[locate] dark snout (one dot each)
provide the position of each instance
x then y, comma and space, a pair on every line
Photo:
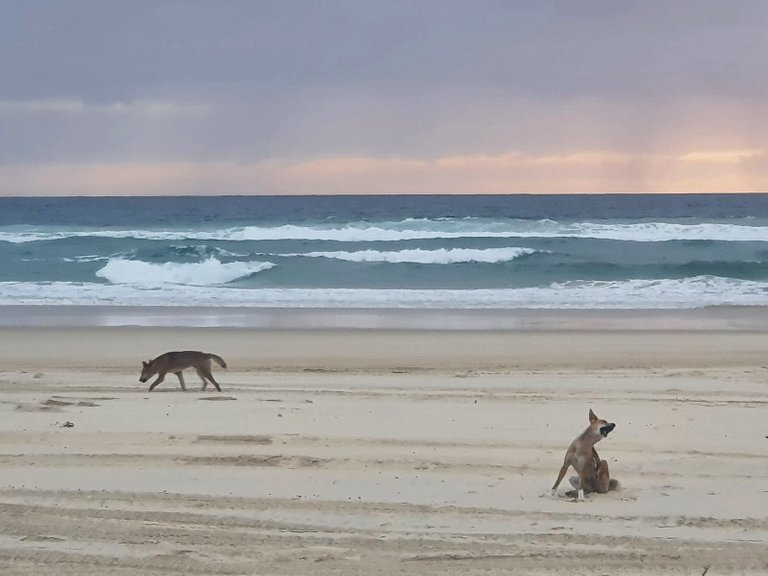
142, 379
604, 430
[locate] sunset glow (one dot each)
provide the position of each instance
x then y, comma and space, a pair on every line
487, 98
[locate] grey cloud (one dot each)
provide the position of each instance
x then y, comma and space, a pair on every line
109, 50
308, 78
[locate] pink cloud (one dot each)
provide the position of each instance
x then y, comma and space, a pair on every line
583, 172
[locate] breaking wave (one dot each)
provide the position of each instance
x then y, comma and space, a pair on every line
209, 272
423, 229
420, 256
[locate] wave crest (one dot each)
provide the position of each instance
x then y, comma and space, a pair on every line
426, 229
209, 272
420, 256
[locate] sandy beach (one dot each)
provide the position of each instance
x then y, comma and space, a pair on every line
385, 450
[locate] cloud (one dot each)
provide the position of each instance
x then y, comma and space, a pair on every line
339, 96
515, 172
722, 156
367, 124
69, 107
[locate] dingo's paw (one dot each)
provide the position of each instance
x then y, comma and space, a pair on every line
579, 496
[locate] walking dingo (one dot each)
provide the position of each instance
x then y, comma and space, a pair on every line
581, 454
175, 362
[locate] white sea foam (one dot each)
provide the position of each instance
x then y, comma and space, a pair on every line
210, 272
639, 294
419, 256
663, 231
412, 229
83, 259
203, 250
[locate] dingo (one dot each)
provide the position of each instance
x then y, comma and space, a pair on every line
175, 362
581, 454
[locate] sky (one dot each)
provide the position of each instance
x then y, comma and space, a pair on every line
162, 97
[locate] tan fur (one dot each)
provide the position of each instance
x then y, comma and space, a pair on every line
581, 454
175, 362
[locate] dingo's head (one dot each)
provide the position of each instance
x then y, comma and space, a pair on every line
599, 426
146, 371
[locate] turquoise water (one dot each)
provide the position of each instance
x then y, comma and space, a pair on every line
460, 252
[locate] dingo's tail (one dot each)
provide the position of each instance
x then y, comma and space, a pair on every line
218, 359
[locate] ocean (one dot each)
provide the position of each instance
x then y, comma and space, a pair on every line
391, 252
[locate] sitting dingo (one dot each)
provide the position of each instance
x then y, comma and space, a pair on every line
175, 362
581, 454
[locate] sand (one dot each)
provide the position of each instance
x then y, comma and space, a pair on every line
382, 451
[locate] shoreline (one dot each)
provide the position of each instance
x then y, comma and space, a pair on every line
350, 351
720, 318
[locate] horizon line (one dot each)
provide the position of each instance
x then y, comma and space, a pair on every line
385, 194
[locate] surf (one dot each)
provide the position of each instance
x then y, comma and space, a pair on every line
422, 229
209, 272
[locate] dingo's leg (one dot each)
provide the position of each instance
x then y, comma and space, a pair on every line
202, 377
580, 493
205, 373
181, 380
160, 378
603, 480
560, 477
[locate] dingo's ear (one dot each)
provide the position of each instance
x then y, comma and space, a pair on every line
145, 364
592, 416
